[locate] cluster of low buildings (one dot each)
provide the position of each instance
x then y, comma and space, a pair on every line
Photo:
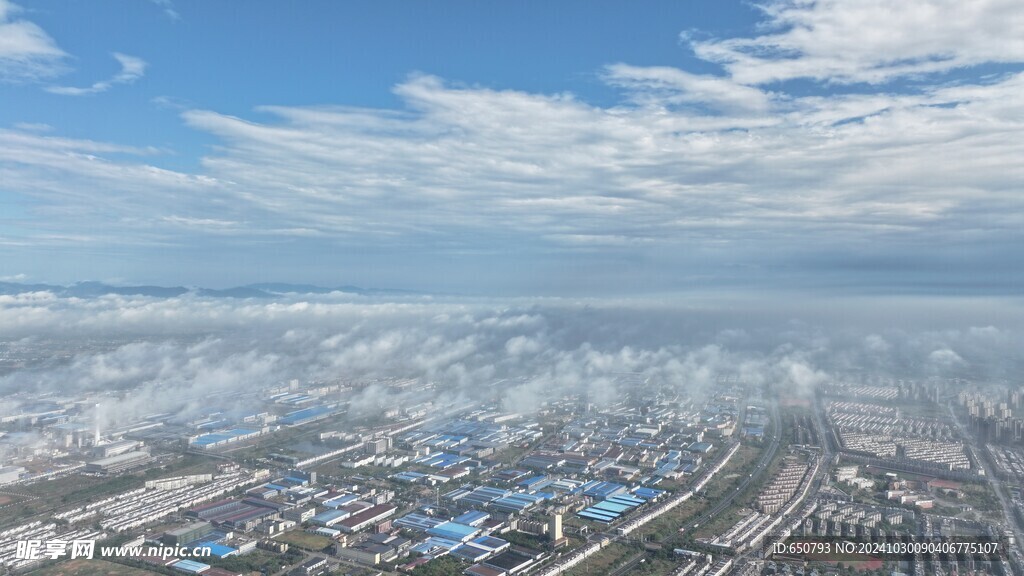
887, 389
854, 520
292, 501
849, 475
949, 455
477, 436
122, 512
51, 435
878, 431
866, 418
740, 535
139, 507
781, 488
917, 493
41, 532
628, 444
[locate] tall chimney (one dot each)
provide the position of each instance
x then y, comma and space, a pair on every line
96, 418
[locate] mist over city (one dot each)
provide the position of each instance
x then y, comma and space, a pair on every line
174, 354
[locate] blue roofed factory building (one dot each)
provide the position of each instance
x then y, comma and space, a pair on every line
307, 415
217, 440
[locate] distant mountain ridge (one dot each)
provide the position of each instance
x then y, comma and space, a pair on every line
92, 289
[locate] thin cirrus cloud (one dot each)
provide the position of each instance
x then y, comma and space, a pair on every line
132, 68
27, 52
664, 85
169, 10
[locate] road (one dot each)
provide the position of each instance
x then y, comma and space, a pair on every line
629, 565
822, 475
755, 475
825, 436
997, 486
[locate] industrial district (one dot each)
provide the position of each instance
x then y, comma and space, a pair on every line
653, 482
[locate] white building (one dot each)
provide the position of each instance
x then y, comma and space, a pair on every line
9, 474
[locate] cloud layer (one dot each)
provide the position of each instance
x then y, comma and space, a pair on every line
192, 354
897, 169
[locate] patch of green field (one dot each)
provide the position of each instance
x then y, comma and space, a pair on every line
185, 465
305, 540
652, 565
62, 492
604, 561
257, 561
981, 496
63, 485
82, 567
665, 527
720, 523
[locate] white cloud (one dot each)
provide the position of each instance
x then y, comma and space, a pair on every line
132, 68
667, 85
538, 348
870, 41
68, 175
476, 159
27, 52
945, 357
686, 169
464, 168
876, 344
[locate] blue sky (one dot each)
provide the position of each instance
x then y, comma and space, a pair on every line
516, 148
